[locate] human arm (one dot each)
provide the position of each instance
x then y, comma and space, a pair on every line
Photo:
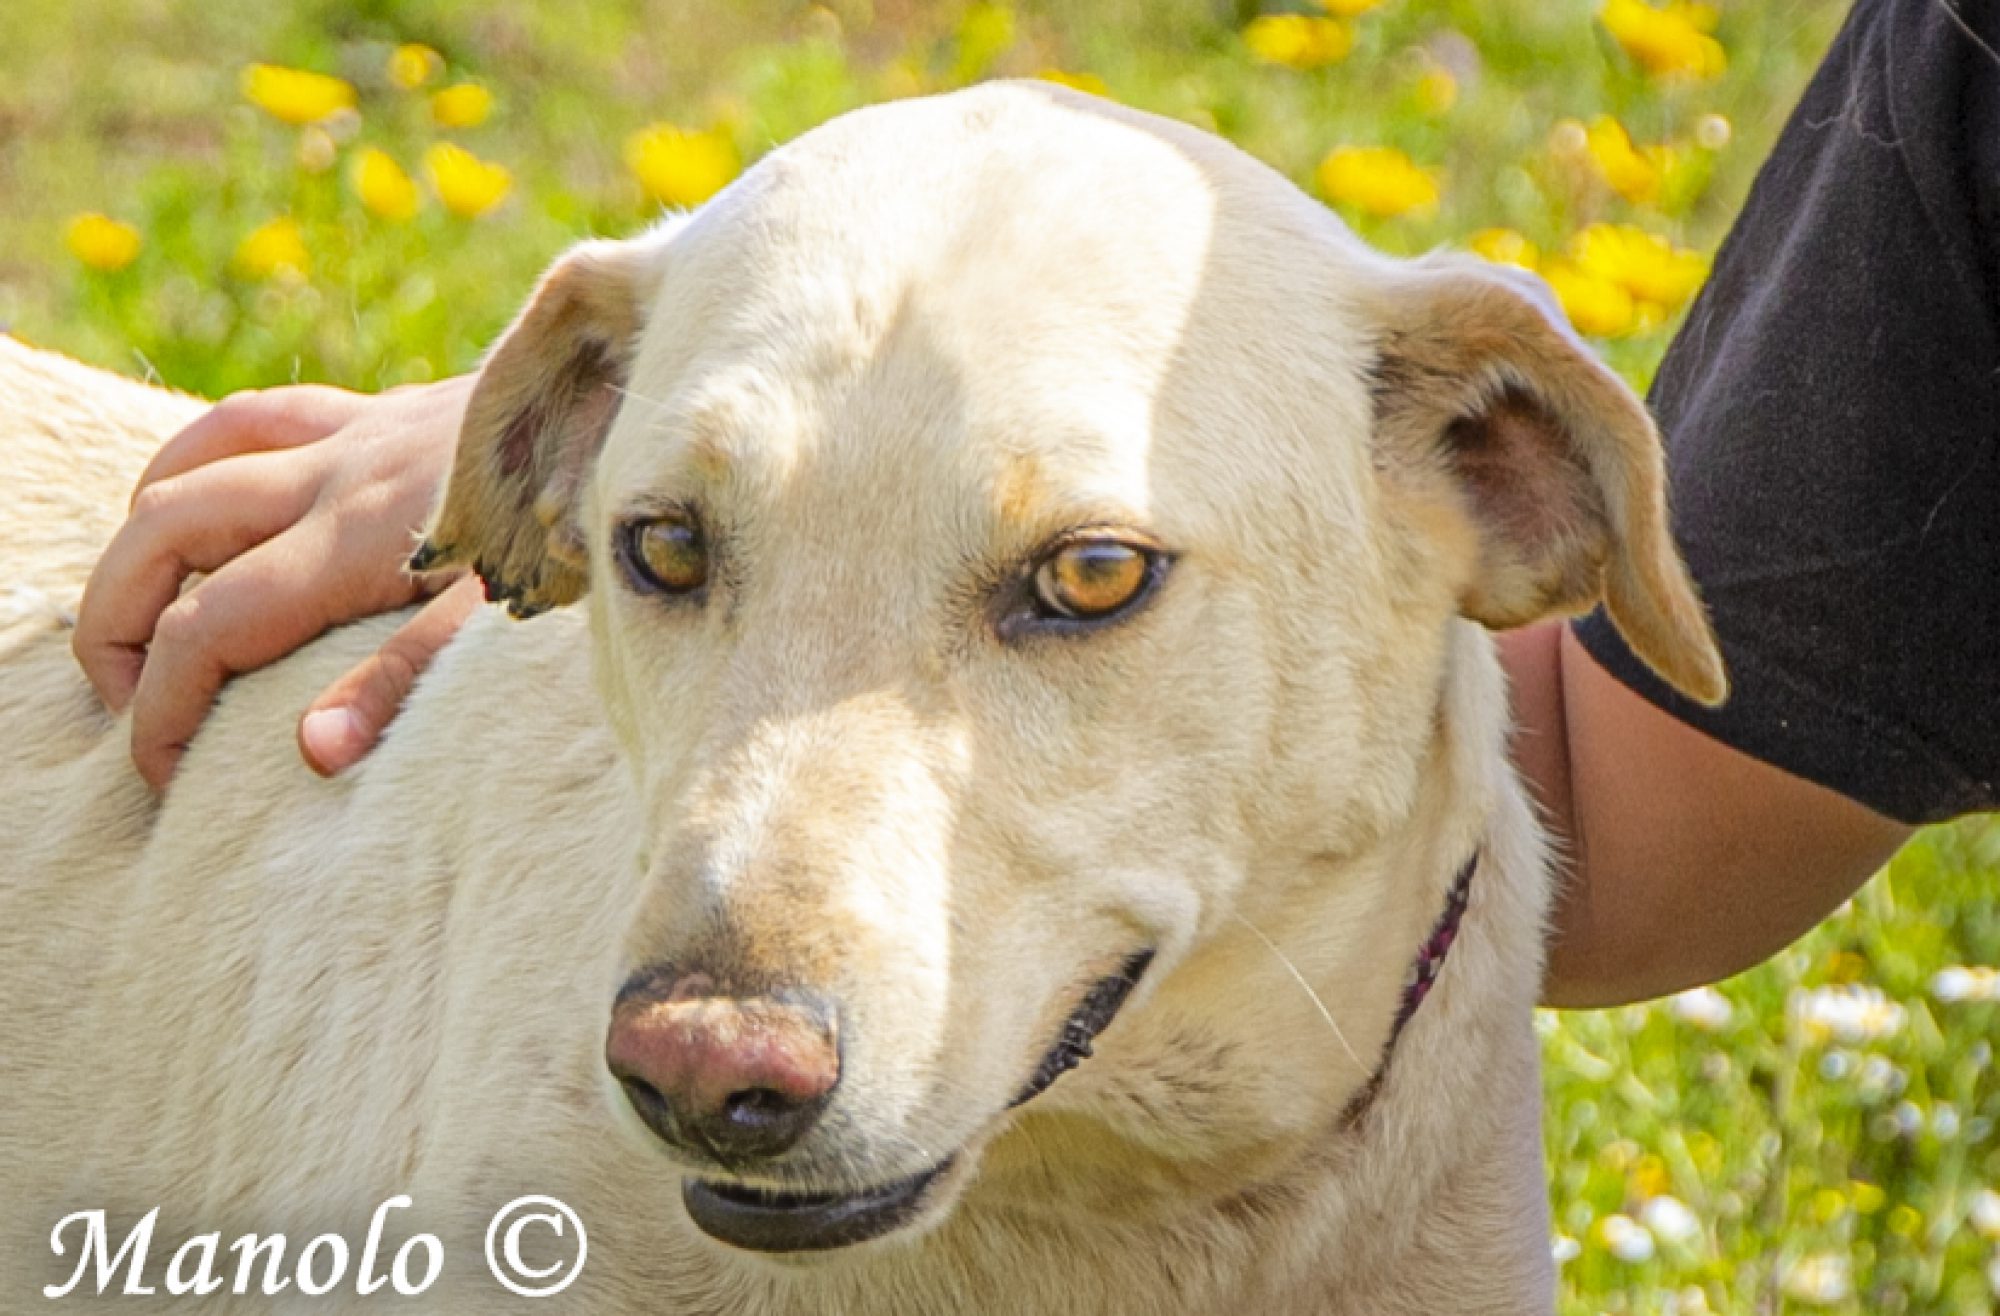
1681, 860
303, 503
1832, 418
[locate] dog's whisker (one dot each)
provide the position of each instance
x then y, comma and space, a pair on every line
927, 1156
1360, 1065
624, 392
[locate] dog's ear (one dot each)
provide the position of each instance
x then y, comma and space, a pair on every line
544, 401
1486, 400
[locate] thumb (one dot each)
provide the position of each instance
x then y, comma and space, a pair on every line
347, 719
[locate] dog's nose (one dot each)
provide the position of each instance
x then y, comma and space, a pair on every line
737, 1078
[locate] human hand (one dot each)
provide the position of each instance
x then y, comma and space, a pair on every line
302, 504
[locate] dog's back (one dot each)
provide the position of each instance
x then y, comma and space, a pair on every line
72, 443
153, 955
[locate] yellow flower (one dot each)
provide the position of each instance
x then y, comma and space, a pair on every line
273, 248
1503, 246
678, 167
383, 186
983, 35
1828, 1205
102, 243
1379, 180
1649, 268
1089, 82
295, 96
413, 64
1868, 1198
465, 105
1670, 42
1297, 41
1437, 91
1594, 305
1635, 173
468, 185
900, 78
1348, 8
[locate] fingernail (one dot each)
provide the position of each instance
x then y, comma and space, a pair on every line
333, 737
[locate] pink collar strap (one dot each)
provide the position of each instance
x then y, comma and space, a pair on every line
1423, 976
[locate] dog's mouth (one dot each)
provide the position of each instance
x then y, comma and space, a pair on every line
1093, 1014
775, 1221
759, 1220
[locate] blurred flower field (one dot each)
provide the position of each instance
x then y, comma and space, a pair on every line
248, 192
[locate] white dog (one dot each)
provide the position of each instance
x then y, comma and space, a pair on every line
1035, 567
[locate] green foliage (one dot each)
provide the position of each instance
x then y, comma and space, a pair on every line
1805, 1133
1818, 1122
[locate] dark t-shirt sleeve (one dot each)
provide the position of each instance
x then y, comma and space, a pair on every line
1832, 416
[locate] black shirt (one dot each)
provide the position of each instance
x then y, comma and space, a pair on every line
1832, 417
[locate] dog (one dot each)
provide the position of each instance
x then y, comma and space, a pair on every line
1002, 805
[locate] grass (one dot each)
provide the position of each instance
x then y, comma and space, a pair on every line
1814, 1135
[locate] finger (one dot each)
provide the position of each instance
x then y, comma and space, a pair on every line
253, 611
253, 422
344, 723
174, 531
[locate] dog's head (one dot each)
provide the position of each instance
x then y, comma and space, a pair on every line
1027, 545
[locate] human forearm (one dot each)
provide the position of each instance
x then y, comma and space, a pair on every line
1681, 859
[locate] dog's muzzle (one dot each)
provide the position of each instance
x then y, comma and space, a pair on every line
776, 1221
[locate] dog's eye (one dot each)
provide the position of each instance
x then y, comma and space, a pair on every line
665, 553
1092, 579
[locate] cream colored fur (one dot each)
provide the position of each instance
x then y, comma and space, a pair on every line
887, 364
